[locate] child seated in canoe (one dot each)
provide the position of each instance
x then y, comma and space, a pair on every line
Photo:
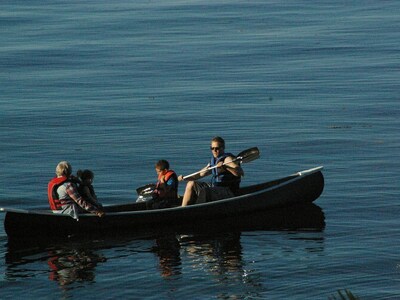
86, 189
165, 193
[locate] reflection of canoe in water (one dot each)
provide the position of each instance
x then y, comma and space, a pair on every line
271, 198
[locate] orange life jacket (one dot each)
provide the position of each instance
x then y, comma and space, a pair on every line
55, 203
172, 193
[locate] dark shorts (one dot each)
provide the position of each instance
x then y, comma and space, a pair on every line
204, 192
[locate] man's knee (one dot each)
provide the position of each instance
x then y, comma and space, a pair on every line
189, 185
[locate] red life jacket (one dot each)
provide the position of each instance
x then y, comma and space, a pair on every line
55, 203
173, 193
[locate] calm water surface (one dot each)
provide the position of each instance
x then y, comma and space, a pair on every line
116, 86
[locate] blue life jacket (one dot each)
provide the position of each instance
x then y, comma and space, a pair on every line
226, 178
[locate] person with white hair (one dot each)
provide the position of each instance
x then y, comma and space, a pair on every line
63, 194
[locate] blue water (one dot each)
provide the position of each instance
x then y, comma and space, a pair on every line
116, 85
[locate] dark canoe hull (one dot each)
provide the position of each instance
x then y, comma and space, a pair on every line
297, 189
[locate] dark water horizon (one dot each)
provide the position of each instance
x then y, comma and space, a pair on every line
114, 87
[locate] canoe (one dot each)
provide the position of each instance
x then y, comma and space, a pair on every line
299, 188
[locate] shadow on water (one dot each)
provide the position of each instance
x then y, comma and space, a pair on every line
66, 263
70, 265
220, 252
216, 243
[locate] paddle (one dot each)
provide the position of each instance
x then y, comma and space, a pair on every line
244, 157
148, 188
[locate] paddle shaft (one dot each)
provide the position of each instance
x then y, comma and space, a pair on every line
211, 168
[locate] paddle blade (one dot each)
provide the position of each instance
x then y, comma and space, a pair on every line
248, 155
148, 188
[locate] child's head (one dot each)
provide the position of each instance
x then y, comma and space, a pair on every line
85, 175
161, 165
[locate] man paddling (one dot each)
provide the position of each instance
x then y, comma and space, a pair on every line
225, 181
